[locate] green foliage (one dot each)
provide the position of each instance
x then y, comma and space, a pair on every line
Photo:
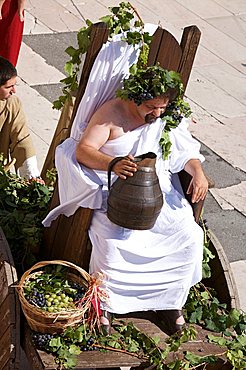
148, 83
203, 308
64, 351
121, 19
127, 338
236, 349
207, 254
23, 206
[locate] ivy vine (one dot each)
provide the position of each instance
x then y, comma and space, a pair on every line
122, 19
127, 338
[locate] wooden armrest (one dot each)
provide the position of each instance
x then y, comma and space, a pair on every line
185, 179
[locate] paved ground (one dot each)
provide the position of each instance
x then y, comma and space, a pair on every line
216, 92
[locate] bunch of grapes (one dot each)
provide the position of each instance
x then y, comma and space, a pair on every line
80, 291
41, 340
88, 345
175, 112
56, 302
139, 98
53, 293
36, 298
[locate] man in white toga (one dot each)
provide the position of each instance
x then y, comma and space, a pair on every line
145, 269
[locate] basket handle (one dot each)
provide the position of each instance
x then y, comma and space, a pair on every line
84, 274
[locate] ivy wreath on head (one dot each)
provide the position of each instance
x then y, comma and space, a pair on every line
146, 83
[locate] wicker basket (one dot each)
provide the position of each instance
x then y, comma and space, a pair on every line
52, 322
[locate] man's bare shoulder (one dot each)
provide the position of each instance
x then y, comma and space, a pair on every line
110, 111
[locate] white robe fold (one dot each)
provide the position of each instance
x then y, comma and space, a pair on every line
144, 269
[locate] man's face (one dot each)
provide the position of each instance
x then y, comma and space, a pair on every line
152, 109
8, 89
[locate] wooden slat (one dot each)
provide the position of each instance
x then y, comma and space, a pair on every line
99, 35
5, 342
78, 238
189, 44
7, 315
60, 134
9, 309
71, 241
165, 50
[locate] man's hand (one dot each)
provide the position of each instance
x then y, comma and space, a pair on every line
125, 167
198, 186
1, 5
21, 8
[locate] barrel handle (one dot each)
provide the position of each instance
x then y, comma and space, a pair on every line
110, 166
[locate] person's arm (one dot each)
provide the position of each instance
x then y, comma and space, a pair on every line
20, 143
21, 8
88, 151
199, 184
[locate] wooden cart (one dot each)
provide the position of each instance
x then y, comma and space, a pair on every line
67, 238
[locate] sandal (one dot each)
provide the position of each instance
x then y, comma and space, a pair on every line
168, 321
105, 321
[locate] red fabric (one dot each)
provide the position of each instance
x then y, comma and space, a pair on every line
11, 29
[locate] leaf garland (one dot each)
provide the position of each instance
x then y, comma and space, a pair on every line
128, 339
122, 19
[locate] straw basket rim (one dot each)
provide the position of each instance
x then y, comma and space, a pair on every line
31, 311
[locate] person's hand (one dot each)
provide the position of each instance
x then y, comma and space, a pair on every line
125, 167
1, 5
39, 180
21, 8
198, 187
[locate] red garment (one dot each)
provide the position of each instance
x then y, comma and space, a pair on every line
11, 29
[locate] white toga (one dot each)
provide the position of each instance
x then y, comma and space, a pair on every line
145, 269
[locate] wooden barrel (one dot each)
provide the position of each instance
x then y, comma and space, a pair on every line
222, 279
136, 202
9, 310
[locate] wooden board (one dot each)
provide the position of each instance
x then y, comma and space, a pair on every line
9, 310
41, 360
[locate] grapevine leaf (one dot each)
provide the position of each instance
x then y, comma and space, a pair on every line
74, 350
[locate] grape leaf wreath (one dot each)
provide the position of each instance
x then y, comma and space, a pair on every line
144, 82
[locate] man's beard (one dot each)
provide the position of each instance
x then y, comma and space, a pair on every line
150, 118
